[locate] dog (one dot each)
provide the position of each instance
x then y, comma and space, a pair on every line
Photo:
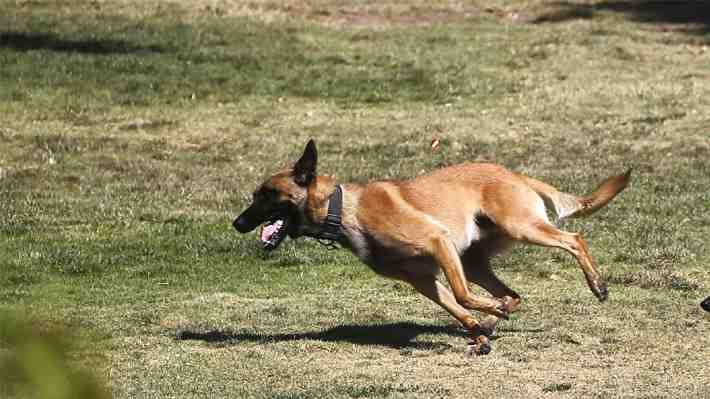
452, 220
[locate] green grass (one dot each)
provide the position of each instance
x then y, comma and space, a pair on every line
131, 133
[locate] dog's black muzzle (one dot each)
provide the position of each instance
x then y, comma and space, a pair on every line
248, 220
242, 225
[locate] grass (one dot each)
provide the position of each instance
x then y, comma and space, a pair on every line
133, 132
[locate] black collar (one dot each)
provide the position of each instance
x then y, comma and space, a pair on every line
332, 226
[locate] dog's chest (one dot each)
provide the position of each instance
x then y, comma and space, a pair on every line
358, 244
475, 229
472, 233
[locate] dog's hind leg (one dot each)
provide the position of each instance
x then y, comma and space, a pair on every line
478, 271
540, 232
522, 217
431, 288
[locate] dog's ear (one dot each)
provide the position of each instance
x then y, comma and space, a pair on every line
305, 169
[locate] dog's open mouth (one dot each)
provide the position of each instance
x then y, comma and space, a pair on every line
273, 232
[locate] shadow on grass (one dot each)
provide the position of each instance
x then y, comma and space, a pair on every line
695, 13
393, 335
26, 41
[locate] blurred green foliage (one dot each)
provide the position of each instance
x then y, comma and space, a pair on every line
35, 362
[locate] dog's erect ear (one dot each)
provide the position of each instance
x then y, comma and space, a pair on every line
305, 169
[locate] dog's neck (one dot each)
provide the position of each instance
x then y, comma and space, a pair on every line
318, 201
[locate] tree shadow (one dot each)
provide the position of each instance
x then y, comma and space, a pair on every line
394, 335
695, 15
230, 62
26, 41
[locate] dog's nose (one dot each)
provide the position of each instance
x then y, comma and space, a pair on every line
241, 225
238, 224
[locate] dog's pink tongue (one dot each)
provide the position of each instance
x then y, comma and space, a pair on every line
270, 229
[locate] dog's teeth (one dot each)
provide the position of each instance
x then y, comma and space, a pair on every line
267, 233
270, 229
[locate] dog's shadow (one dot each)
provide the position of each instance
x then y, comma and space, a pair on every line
400, 335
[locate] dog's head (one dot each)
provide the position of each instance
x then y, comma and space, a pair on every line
278, 203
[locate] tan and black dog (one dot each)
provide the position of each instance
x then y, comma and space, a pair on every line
451, 220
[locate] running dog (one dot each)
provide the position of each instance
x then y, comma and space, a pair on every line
452, 220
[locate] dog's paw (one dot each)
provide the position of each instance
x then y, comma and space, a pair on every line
600, 291
503, 310
478, 349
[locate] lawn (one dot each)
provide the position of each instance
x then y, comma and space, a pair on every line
133, 132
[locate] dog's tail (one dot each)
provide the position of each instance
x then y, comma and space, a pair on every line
572, 206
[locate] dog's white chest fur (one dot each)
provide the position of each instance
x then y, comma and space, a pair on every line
473, 232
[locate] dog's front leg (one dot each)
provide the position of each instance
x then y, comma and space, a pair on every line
444, 252
431, 288
477, 267
447, 258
